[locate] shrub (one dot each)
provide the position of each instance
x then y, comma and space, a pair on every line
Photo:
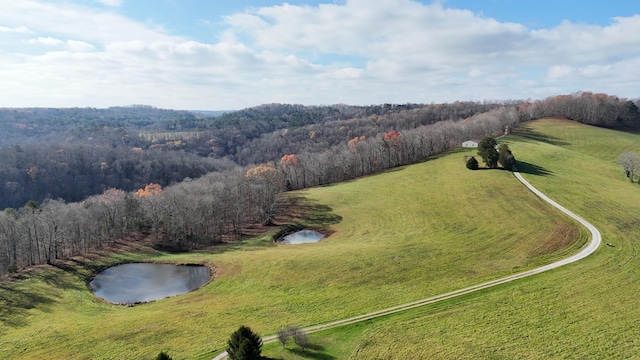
472, 164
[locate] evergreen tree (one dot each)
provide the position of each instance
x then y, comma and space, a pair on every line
505, 157
487, 150
244, 344
163, 356
472, 164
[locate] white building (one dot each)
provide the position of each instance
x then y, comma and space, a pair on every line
470, 144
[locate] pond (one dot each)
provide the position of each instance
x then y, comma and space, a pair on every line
302, 237
142, 282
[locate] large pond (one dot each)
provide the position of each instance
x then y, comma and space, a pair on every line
302, 236
142, 282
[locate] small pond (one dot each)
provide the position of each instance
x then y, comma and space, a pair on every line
142, 282
302, 236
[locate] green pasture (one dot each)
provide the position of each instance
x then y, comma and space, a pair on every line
586, 310
396, 237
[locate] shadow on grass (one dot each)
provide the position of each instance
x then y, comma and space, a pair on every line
22, 292
309, 352
301, 213
528, 168
455, 150
16, 302
313, 214
17, 298
80, 270
307, 214
528, 133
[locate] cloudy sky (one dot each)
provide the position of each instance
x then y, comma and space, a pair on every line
225, 55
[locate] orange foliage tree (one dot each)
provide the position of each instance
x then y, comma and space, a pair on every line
289, 160
353, 142
392, 138
266, 173
291, 170
392, 141
149, 190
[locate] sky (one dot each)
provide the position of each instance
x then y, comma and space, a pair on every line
230, 55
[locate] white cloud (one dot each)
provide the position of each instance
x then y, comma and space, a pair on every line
65, 20
17, 29
559, 72
113, 3
428, 33
447, 48
46, 40
79, 46
387, 51
347, 73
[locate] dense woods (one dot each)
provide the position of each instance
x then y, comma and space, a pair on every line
74, 180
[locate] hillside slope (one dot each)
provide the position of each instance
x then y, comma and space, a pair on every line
586, 310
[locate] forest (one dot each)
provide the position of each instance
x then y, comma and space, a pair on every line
79, 179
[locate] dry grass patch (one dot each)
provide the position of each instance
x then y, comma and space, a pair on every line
563, 236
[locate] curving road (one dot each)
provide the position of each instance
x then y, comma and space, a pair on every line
596, 240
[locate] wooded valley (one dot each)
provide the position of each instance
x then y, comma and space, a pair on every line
75, 180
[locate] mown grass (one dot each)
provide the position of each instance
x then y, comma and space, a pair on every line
395, 237
586, 310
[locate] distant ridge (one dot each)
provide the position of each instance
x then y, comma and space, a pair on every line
211, 112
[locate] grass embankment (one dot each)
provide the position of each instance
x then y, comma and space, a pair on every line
586, 310
396, 237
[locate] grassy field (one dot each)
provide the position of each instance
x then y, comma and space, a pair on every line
586, 310
403, 235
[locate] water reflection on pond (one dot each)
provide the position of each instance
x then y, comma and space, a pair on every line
141, 282
303, 236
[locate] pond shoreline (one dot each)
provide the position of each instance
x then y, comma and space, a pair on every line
137, 282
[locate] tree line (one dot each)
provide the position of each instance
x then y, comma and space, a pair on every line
129, 147
586, 107
47, 150
187, 216
73, 172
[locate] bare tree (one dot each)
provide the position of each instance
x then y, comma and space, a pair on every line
300, 337
8, 241
283, 336
630, 163
265, 184
53, 232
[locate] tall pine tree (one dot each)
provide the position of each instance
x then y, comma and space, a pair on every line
505, 157
244, 344
487, 150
